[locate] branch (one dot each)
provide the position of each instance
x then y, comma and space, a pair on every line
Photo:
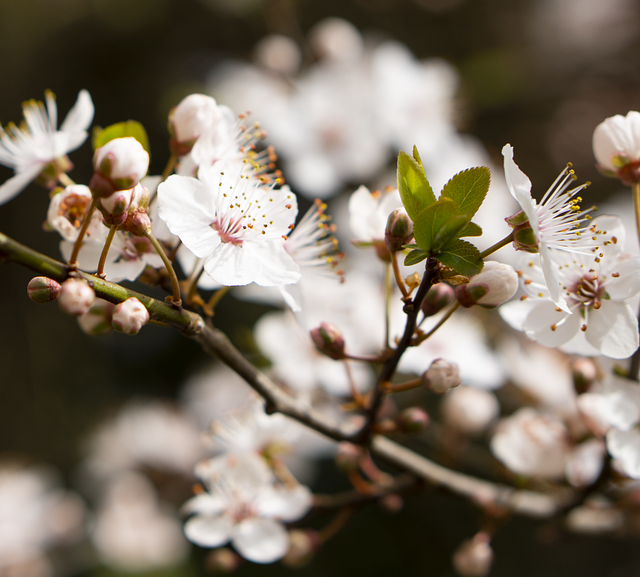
215, 343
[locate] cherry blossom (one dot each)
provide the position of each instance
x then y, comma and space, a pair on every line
616, 146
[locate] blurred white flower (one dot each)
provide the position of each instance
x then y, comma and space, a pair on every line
616, 146
368, 214
469, 410
29, 148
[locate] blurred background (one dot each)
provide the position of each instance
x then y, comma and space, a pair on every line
540, 75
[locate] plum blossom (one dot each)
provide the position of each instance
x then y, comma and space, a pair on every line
616, 146
29, 148
594, 288
554, 222
233, 222
368, 214
242, 504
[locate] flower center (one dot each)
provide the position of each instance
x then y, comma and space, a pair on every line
228, 230
587, 291
73, 208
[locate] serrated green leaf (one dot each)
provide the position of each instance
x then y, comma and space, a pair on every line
468, 189
415, 191
416, 157
429, 221
448, 231
415, 256
101, 136
461, 256
472, 229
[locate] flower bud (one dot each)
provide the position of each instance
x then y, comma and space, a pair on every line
118, 165
303, 545
97, 320
413, 420
413, 281
615, 147
348, 456
399, 230
496, 284
473, 558
42, 290
194, 115
138, 221
329, 341
439, 297
222, 560
585, 373
469, 410
76, 296
392, 503
116, 208
441, 376
129, 316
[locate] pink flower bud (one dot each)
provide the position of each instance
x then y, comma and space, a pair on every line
42, 290
413, 420
439, 297
117, 207
129, 316
118, 165
76, 296
348, 456
329, 341
474, 557
303, 545
399, 230
441, 376
190, 118
97, 320
496, 284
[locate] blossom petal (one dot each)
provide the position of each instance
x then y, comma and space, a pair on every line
540, 320
81, 114
284, 503
519, 185
552, 278
613, 330
208, 531
617, 135
18, 182
261, 540
625, 446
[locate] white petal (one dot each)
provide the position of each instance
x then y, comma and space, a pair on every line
520, 186
542, 317
261, 540
627, 284
81, 114
625, 446
208, 531
285, 504
12, 187
613, 330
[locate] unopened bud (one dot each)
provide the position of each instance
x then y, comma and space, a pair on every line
138, 222
222, 560
129, 316
97, 320
469, 410
413, 281
399, 230
76, 296
194, 115
118, 165
441, 376
42, 290
496, 284
303, 545
329, 341
474, 557
585, 373
438, 297
117, 207
348, 456
413, 420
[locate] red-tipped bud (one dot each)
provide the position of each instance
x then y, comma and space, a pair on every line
42, 290
439, 297
348, 456
474, 557
399, 230
304, 544
329, 341
496, 284
441, 376
116, 208
97, 320
76, 296
118, 165
129, 316
413, 420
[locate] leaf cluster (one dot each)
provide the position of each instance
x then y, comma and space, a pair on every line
440, 223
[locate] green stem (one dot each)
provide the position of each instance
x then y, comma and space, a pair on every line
105, 250
176, 300
83, 229
504, 242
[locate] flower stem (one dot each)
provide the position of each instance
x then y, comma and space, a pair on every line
105, 250
402, 387
504, 242
176, 300
64, 179
398, 276
209, 308
73, 260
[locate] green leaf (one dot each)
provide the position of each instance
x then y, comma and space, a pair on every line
461, 256
472, 229
415, 191
448, 231
416, 157
468, 189
133, 128
415, 256
429, 221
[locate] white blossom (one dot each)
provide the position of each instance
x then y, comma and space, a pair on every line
616, 146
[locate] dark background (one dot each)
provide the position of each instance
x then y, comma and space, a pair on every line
522, 82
